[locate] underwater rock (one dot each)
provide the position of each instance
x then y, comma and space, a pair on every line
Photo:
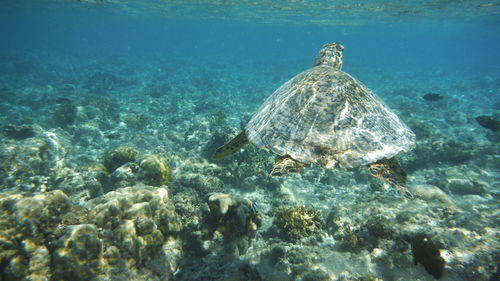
295, 223
99, 173
124, 176
375, 229
200, 177
28, 225
153, 170
33, 164
109, 108
150, 169
292, 262
317, 275
79, 254
429, 192
368, 234
456, 119
88, 134
79, 185
367, 277
117, 157
187, 205
244, 270
138, 219
18, 132
348, 238
234, 218
425, 252
137, 121
463, 186
65, 114
87, 113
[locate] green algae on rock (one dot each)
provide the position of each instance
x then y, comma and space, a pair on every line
153, 170
117, 157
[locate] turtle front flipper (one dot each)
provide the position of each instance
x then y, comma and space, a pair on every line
390, 171
286, 165
231, 147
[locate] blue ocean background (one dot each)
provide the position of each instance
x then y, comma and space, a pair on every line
83, 83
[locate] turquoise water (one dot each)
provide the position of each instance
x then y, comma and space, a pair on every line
110, 112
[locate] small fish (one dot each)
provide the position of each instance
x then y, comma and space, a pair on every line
113, 135
432, 97
488, 122
425, 252
254, 208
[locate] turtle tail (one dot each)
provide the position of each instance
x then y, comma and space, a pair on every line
231, 147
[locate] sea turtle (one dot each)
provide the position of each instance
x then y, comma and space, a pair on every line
326, 117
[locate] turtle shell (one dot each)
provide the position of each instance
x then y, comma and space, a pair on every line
326, 117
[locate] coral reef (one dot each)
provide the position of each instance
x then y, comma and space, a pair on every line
137, 222
125, 175
153, 170
198, 175
79, 254
127, 234
295, 223
32, 164
150, 169
88, 200
234, 218
29, 225
117, 157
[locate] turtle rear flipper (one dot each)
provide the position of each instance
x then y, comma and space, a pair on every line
286, 165
390, 171
231, 147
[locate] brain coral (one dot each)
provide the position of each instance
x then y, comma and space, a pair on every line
127, 234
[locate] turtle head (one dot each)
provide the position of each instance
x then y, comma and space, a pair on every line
330, 55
